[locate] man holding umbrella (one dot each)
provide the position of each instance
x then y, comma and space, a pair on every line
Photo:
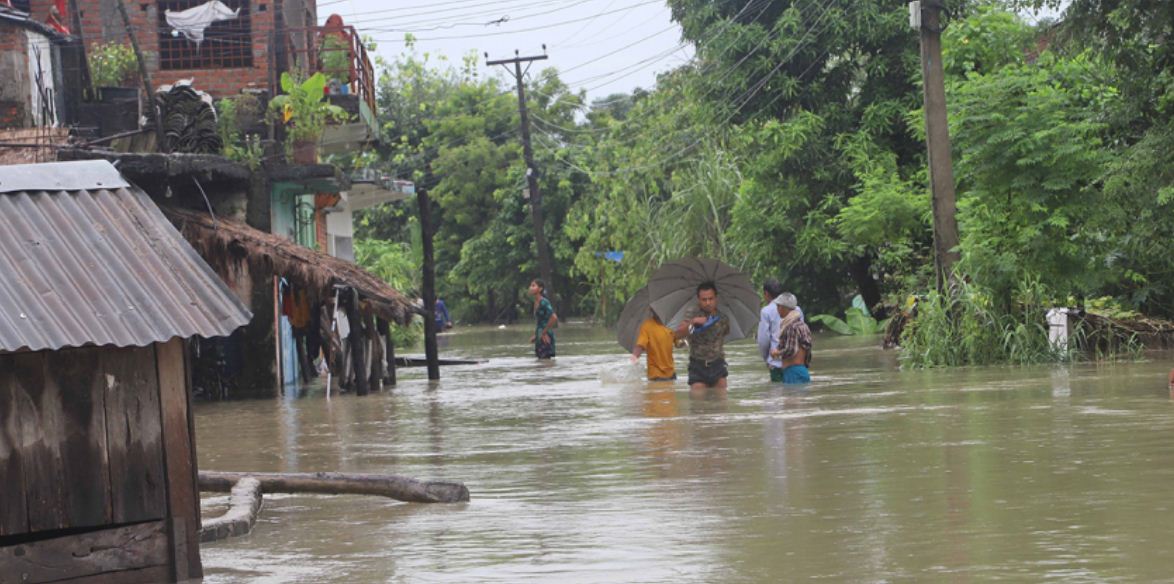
706, 328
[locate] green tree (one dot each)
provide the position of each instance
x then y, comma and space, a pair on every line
803, 76
1031, 147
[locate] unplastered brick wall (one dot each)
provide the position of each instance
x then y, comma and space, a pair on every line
14, 67
101, 22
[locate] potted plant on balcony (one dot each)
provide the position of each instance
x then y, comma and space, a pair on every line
303, 109
112, 71
335, 60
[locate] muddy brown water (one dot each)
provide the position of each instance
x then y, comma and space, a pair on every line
871, 474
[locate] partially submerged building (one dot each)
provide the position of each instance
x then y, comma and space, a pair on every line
236, 50
99, 300
215, 203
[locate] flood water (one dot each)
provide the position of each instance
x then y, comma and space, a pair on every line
870, 474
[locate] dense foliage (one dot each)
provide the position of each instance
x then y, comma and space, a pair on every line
792, 146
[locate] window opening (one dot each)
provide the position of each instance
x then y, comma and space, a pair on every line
226, 43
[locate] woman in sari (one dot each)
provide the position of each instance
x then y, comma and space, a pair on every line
544, 321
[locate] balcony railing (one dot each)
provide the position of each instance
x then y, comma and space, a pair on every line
336, 51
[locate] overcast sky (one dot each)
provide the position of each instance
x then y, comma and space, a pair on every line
603, 46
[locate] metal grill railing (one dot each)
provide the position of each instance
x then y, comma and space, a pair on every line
227, 44
338, 53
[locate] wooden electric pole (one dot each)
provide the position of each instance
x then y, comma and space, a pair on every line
926, 15
544, 262
431, 353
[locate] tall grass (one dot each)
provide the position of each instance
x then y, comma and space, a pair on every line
968, 326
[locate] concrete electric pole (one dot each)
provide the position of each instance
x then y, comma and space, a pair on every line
926, 16
545, 267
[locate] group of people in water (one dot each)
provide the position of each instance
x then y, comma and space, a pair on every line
784, 340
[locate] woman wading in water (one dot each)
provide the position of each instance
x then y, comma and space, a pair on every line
545, 319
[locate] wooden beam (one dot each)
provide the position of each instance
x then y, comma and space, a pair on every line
377, 361
333, 483
133, 431
183, 501
385, 332
358, 342
142, 545
77, 376
14, 517
244, 505
151, 575
43, 428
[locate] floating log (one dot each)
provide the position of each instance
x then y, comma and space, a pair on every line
244, 504
335, 483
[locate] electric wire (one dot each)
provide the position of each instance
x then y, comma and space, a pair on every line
430, 24
718, 31
742, 101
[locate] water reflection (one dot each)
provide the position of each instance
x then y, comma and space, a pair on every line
869, 474
666, 435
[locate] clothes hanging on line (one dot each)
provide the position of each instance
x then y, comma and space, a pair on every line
192, 23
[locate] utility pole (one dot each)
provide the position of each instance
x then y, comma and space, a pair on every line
926, 16
545, 267
431, 353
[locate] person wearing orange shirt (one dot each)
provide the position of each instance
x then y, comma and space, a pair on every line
656, 340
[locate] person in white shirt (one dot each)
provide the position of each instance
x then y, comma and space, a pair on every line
768, 328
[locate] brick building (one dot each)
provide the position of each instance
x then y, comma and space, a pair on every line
30, 67
236, 54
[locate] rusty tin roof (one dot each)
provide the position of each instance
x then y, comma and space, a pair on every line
88, 259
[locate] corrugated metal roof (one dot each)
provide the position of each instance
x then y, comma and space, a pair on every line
97, 263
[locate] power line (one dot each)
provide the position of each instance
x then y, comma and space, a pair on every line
718, 31
412, 25
744, 98
603, 41
588, 23
627, 46
532, 29
461, 6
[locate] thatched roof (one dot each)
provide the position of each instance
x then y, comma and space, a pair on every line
224, 243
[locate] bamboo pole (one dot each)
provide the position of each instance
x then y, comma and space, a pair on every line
145, 78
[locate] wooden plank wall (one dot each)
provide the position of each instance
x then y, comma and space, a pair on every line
80, 439
183, 495
82, 445
134, 435
96, 556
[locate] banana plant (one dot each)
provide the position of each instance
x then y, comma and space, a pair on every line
857, 320
303, 107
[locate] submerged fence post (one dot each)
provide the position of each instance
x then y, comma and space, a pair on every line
1058, 329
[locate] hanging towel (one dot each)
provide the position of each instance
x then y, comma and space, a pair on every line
192, 22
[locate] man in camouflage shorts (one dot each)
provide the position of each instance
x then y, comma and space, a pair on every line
706, 327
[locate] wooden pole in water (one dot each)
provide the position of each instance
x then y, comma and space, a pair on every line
389, 370
358, 342
431, 353
395, 487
